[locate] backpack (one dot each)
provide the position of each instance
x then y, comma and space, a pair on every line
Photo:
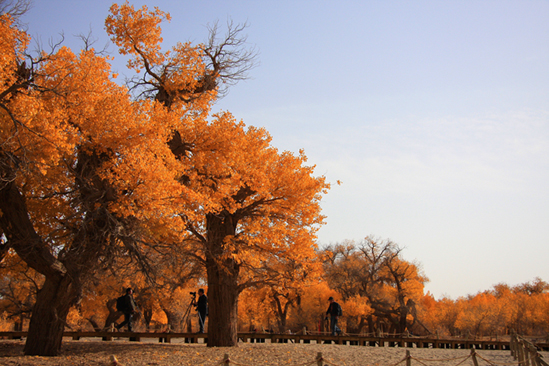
121, 303
339, 310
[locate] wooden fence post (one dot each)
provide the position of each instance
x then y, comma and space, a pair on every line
517, 344
521, 355
319, 359
474, 357
527, 361
408, 358
532, 354
540, 361
226, 359
526, 352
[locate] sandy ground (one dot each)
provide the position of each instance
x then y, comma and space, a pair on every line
96, 352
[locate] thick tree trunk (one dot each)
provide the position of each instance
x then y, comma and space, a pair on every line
371, 324
114, 314
282, 312
354, 325
57, 294
112, 318
96, 327
64, 269
223, 287
147, 317
175, 319
62, 286
403, 319
49, 316
222, 301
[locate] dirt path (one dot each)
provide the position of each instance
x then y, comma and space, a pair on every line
90, 353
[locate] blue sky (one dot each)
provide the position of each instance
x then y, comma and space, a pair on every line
433, 114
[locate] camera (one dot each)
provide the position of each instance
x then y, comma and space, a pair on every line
192, 293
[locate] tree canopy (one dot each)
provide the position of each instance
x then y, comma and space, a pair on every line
94, 175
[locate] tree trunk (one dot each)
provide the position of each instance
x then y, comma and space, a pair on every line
57, 295
354, 325
49, 316
147, 317
282, 314
64, 269
174, 319
403, 319
222, 300
96, 327
114, 314
223, 288
281, 324
371, 324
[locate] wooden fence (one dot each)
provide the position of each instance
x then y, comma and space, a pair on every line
526, 352
353, 340
408, 359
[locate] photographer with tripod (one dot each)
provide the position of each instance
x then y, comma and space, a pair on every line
201, 307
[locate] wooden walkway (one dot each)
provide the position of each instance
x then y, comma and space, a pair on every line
356, 340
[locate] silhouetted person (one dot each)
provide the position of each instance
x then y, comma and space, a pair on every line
129, 310
202, 308
334, 310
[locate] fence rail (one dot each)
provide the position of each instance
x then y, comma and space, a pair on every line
357, 340
526, 352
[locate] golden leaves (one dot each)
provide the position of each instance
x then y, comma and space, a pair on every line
12, 44
137, 32
74, 111
176, 76
238, 172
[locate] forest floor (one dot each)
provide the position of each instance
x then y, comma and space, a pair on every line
124, 353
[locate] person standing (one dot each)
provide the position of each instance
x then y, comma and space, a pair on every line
202, 309
129, 309
334, 310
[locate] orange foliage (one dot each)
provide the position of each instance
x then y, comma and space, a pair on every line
522, 308
18, 287
374, 274
314, 303
255, 312
105, 177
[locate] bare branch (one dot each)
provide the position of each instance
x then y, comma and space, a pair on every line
89, 41
15, 8
228, 58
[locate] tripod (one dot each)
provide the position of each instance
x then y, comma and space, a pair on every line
188, 311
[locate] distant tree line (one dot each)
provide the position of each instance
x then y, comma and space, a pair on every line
380, 292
